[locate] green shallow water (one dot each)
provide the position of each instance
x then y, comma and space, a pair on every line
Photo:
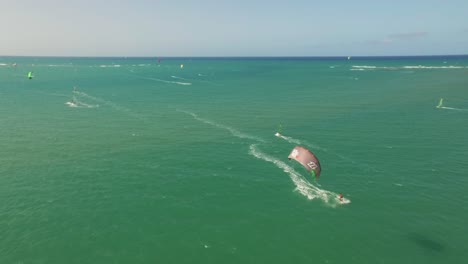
167, 165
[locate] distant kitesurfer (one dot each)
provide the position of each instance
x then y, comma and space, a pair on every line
341, 197
441, 102
280, 128
30, 75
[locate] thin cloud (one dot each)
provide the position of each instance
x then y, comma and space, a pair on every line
381, 41
397, 37
408, 35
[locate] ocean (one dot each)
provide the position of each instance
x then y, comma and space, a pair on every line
140, 160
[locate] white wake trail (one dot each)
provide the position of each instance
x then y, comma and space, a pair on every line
113, 106
452, 108
195, 80
233, 131
75, 103
302, 186
164, 81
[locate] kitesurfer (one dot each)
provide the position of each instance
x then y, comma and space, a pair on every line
306, 159
30, 75
341, 197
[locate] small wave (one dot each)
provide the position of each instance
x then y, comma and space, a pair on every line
302, 186
373, 67
433, 67
180, 78
3, 64
182, 83
59, 65
233, 131
110, 66
364, 67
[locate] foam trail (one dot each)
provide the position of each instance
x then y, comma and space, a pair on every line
289, 139
452, 108
180, 78
112, 105
71, 104
78, 104
197, 80
188, 81
302, 186
233, 131
164, 81
75, 103
300, 142
315, 146
441, 102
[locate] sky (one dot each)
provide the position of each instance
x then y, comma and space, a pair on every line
233, 28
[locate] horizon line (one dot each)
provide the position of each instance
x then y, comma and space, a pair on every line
239, 57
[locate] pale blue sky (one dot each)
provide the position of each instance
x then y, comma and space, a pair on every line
233, 28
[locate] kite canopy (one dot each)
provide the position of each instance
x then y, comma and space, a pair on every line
307, 159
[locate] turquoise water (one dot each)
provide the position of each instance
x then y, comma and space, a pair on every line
154, 163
